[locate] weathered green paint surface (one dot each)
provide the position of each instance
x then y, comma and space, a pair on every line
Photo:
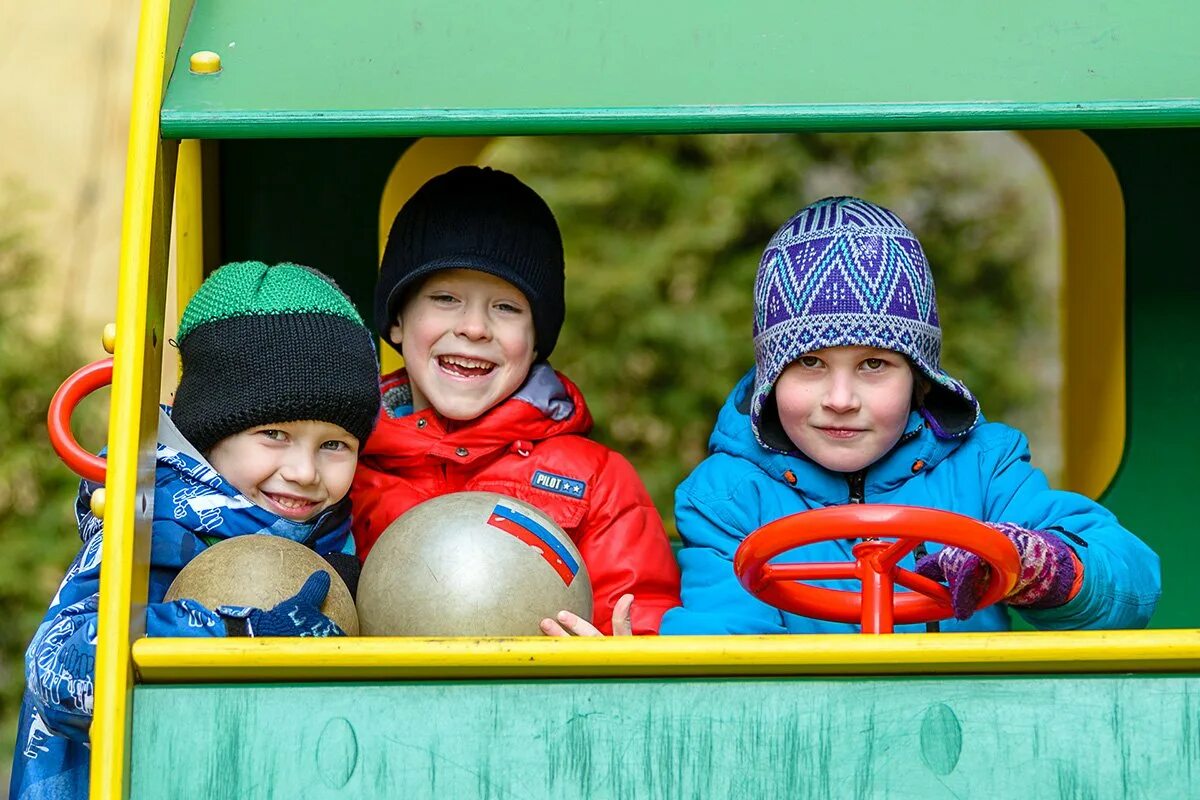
377, 67
1062, 737
1155, 490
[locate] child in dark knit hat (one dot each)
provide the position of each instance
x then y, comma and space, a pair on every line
278, 394
848, 403
470, 293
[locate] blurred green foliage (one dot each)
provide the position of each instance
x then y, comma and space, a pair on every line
37, 493
664, 233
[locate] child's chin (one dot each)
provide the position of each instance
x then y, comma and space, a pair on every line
834, 463
461, 410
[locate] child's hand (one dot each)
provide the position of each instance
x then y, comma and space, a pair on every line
570, 624
299, 615
1048, 571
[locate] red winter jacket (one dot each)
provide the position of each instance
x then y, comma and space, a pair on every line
530, 447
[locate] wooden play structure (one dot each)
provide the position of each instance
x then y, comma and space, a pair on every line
293, 131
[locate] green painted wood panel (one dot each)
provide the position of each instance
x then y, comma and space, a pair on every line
382, 68
1155, 490
1064, 737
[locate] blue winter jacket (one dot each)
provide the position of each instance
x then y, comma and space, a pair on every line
986, 475
193, 507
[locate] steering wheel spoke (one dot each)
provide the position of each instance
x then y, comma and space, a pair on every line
921, 585
814, 571
898, 550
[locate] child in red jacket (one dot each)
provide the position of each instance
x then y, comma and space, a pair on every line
470, 293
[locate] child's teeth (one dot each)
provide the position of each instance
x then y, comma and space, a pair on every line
288, 502
466, 363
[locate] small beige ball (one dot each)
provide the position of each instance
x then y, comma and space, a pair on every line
260, 571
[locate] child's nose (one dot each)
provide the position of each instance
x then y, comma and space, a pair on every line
473, 323
299, 468
842, 395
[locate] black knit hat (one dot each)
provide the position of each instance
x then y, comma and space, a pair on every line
483, 219
263, 344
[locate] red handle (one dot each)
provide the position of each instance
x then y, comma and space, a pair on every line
82, 382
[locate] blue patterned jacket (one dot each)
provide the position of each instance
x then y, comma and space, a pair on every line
986, 475
193, 507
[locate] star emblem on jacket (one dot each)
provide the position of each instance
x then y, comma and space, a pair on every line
558, 484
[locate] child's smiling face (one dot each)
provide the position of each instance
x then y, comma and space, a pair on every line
467, 339
293, 469
845, 407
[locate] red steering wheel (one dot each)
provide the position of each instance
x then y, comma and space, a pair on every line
82, 382
879, 606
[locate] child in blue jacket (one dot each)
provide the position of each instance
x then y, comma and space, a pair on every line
847, 403
278, 393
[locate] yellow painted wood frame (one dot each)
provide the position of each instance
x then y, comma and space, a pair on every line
189, 223
381, 659
129, 481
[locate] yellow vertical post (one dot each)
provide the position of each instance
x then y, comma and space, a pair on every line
141, 294
189, 222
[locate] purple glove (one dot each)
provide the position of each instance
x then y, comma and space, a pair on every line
1046, 579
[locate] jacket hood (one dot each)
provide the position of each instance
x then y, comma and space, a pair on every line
195, 506
918, 449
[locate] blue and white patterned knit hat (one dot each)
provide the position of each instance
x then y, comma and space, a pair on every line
843, 271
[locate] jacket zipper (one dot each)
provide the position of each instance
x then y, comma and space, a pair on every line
857, 482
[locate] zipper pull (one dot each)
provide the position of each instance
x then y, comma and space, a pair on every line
857, 482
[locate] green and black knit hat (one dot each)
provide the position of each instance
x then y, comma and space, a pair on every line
262, 344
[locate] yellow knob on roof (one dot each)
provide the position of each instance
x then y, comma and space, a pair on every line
204, 62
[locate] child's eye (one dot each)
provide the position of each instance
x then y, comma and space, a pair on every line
874, 363
334, 444
273, 434
509, 308
441, 297
809, 361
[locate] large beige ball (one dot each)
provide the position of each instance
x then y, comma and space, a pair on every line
260, 571
471, 564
